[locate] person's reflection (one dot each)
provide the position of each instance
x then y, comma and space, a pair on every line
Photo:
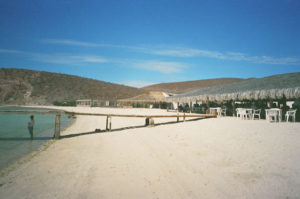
30, 145
30, 126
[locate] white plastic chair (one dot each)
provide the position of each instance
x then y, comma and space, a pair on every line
267, 113
244, 114
291, 113
256, 113
238, 112
272, 115
278, 113
249, 112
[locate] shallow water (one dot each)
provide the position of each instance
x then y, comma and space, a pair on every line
15, 140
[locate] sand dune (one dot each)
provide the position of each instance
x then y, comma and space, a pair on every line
209, 158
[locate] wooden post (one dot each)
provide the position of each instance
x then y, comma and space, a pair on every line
184, 117
149, 121
191, 107
108, 123
233, 108
177, 117
177, 107
57, 127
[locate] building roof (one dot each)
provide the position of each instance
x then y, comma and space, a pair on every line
269, 87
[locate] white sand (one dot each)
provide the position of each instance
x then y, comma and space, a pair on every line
211, 158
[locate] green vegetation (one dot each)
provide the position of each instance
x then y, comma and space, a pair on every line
64, 103
140, 105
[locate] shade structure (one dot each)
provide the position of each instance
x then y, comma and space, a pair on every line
272, 87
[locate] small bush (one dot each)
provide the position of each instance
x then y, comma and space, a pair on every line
65, 103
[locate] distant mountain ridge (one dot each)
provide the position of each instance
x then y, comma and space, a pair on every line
20, 86
186, 86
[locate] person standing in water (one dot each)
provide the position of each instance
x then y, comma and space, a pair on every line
30, 126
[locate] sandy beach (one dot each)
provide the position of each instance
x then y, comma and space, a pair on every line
210, 158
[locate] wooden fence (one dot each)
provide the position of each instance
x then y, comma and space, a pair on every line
149, 118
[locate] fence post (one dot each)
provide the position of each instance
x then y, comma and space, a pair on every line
215, 113
110, 123
149, 121
177, 117
233, 108
57, 127
107, 122
184, 117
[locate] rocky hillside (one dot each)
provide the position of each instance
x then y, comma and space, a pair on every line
19, 86
186, 86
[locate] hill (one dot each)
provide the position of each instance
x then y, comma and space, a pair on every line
186, 86
150, 96
20, 86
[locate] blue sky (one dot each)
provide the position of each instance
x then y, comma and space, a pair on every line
139, 42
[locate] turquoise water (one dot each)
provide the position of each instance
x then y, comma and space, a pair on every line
15, 140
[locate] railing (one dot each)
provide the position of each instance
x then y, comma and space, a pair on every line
108, 117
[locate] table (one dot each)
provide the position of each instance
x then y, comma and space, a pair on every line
274, 112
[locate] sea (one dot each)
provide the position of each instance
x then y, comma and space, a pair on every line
15, 141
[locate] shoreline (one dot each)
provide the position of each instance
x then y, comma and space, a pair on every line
27, 157
211, 158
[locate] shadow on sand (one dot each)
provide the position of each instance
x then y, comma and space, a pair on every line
92, 132
123, 128
24, 138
